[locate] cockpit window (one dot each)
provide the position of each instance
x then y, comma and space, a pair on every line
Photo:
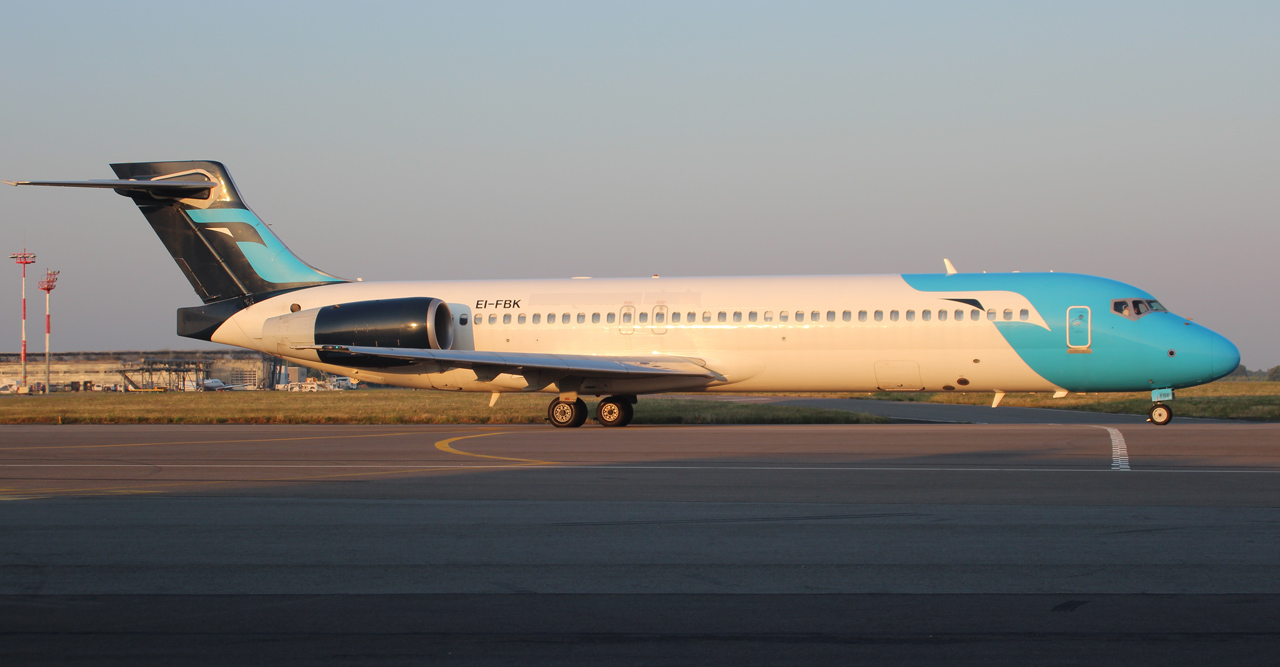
1136, 308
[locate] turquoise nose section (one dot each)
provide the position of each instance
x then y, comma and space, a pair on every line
1225, 356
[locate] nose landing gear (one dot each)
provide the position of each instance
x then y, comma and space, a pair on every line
1160, 414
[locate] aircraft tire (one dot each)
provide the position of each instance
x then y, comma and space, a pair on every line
1160, 414
614, 412
563, 414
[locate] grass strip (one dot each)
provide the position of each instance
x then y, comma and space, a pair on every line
1258, 401
373, 407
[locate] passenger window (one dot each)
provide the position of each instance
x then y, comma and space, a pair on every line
595, 318
582, 318
537, 318
799, 315
893, 315
722, 316
813, 317
691, 317
675, 317
831, 316
493, 319
911, 316
782, 316
551, 318
506, 318
752, 316
942, 316
768, 316
463, 319
520, 318
564, 317
991, 314
737, 316
959, 315
879, 315
1008, 314
1024, 314
926, 315
644, 318
847, 316
862, 316
610, 317
626, 317
659, 317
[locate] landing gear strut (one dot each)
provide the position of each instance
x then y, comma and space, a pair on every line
567, 414
1160, 414
615, 411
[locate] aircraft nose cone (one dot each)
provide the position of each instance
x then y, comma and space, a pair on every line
1225, 356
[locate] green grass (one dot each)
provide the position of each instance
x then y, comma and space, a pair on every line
1219, 400
373, 407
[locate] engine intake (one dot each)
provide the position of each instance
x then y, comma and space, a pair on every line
414, 322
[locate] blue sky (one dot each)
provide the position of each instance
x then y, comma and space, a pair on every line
472, 140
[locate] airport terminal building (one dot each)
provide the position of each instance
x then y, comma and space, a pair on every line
172, 370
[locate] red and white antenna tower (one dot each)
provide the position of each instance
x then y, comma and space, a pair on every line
24, 258
50, 281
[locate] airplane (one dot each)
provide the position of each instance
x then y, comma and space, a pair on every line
212, 384
619, 338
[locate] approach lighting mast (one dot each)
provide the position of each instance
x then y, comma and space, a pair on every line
24, 258
50, 281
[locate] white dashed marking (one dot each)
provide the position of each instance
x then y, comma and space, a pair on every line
1119, 453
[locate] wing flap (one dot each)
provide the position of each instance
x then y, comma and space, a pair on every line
530, 363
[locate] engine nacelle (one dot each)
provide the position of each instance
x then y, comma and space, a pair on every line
414, 322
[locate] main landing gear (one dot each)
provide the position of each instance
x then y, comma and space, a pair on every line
612, 411
1160, 414
616, 411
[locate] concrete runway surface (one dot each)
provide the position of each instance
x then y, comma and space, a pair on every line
921, 544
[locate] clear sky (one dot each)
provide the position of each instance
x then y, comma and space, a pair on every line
1138, 141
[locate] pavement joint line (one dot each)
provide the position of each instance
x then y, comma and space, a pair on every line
212, 442
586, 466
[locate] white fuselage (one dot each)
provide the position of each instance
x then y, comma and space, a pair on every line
795, 333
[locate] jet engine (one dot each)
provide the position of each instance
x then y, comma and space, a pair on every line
414, 322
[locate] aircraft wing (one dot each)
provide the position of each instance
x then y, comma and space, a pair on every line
526, 364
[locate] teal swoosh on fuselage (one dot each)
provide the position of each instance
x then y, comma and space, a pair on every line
1124, 355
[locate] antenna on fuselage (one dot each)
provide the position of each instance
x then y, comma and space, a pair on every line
951, 268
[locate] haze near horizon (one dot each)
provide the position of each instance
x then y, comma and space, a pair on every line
394, 141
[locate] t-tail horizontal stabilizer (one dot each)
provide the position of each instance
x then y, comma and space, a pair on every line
224, 250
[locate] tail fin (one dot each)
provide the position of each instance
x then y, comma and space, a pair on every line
220, 245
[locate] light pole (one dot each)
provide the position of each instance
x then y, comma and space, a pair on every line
24, 258
50, 281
